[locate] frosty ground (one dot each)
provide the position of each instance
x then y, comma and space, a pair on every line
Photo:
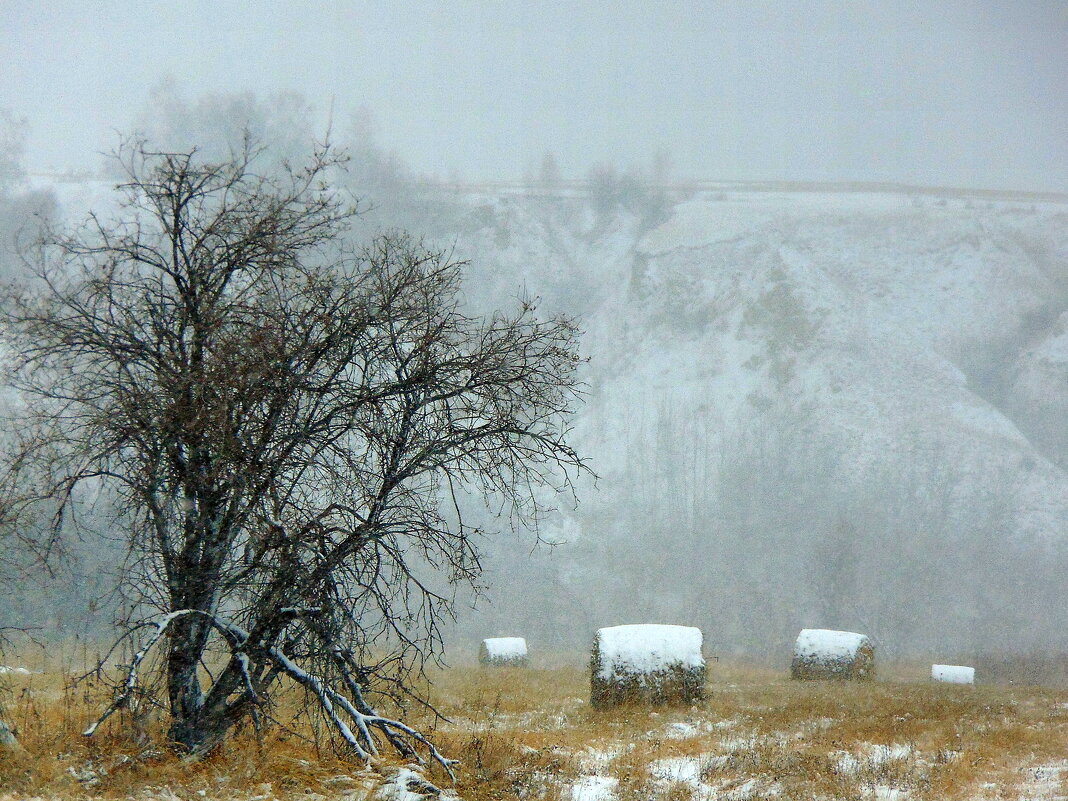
532, 734
760, 735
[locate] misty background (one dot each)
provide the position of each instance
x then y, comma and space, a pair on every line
809, 404
949, 93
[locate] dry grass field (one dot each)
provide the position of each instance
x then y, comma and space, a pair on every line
530, 734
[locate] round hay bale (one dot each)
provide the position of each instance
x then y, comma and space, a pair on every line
647, 663
503, 652
953, 674
828, 654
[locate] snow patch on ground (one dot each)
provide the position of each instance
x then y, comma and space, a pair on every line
734, 745
681, 730
881, 754
687, 729
594, 788
689, 771
595, 760
1044, 782
872, 756
408, 784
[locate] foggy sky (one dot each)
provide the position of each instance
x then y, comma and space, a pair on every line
943, 93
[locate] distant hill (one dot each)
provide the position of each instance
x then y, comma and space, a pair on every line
806, 408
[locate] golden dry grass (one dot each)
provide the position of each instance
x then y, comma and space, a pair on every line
129, 756
531, 734
795, 739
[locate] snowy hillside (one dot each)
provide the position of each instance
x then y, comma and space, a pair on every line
808, 409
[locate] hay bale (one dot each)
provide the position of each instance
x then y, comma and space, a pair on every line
648, 663
503, 652
827, 654
953, 674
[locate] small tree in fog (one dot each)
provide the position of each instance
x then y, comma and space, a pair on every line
610, 191
549, 174
287, 429
12, 146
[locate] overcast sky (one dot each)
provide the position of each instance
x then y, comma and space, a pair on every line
933, 91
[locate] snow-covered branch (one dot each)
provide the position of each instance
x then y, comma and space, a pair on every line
362, 740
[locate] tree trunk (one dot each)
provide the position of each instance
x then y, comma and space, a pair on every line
200, 720
200, 564
183, 684
198, 727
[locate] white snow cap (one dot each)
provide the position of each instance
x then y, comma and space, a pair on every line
954, 674
505, 647
648, 647
828, 644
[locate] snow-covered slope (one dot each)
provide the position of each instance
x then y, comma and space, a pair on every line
837, 409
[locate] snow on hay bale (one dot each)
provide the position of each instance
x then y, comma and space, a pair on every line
648, 662
827, 654
953, 674
503, 652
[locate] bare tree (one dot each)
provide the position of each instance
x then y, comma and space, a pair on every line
12, 147
288, 428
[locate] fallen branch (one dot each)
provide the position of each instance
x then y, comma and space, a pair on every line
363, 717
